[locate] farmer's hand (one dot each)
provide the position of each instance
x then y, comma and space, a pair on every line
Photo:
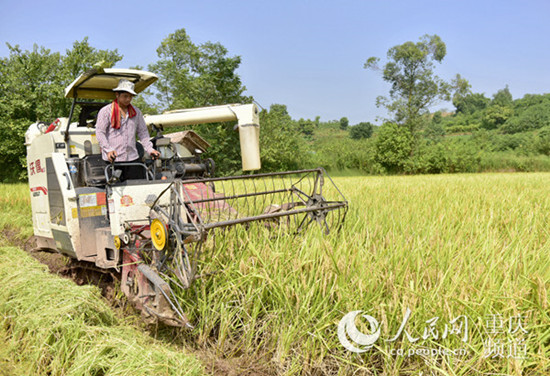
111, 156
155, 154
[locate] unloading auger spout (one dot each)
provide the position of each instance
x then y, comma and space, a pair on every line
248, 125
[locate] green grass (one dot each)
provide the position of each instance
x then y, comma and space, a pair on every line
50, 326
508, 161
16, 210
442, 246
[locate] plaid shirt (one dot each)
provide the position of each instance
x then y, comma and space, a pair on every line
122, 140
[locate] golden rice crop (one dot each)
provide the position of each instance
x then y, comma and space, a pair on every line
443, 248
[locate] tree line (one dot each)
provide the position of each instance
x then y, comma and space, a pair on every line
481, 134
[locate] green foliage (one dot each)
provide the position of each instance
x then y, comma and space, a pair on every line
530, 100
224, 149
431, 154
462, 128
495, 116
344, 123
461, 123
393, 146
282, 145
193, 75
509, 161
534, 117
31, 90
12, 149
434, 131
462, 88
82, 57
437, 117
307, 127
337, 154
447, 156
543, 141
30, 87
502, 98
470, 103
361, 130
521, 143
143, 102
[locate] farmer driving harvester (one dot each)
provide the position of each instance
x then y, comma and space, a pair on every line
116, 128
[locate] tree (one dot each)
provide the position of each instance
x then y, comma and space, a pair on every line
82, 57
462, 87
361, 130
12, 149
316, 121
503, 98
193, 75
31, 89
495, 116
534, 117
470, 103
281, 145
33, 81
414, 86
306, 126
393, 146
344, 122
435, 131
543, 141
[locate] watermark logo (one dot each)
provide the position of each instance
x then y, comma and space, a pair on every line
348, 328
503, 337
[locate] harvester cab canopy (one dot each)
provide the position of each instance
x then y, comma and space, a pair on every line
99, 83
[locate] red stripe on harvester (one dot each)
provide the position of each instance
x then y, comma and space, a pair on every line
43, 189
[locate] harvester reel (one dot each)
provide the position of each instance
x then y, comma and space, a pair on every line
187, 211
319, 215
179, 264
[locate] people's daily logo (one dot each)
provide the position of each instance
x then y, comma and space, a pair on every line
358, 342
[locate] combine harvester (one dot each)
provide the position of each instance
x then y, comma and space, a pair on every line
151, 232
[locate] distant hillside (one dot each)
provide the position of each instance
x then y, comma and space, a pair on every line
499, 134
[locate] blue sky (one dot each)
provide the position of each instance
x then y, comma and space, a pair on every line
308, 55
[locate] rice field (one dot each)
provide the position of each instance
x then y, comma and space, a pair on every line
451, 273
